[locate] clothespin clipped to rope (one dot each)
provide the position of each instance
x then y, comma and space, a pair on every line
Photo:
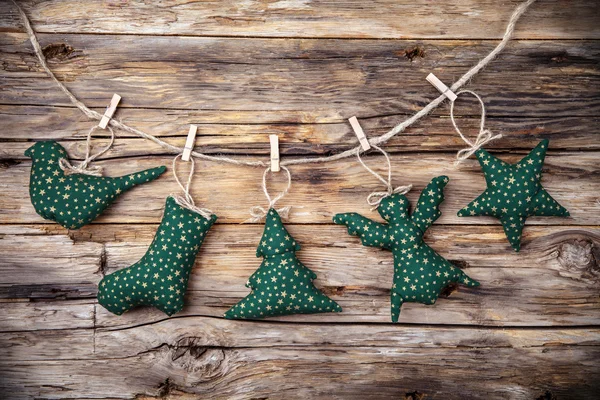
110, 110
274, 139
445, 90
189, 143
360, 134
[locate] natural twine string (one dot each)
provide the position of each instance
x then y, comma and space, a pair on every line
258, 212
519, 10
374, 199
484, 136
83, 168
187, 200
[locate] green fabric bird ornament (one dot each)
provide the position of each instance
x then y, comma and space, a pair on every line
160, 277
514, 192
282, 285
74, 200
419, 272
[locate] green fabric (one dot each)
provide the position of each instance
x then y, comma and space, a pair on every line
160, 278
74, 200
282, 285
419, 272
514, 192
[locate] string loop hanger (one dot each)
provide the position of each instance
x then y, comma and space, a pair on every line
484, 136
257, 212
83, 167
375, 198
187, 201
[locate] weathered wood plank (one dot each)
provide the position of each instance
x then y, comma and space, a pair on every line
33, 316
551, 19
46, 345
224, 133
216, 332
553, 281
62, 267
236, 360
316, 79
320, 191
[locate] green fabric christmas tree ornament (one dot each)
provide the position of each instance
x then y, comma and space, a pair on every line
419, 272
160, 277
74, 199
514, 192
282, 285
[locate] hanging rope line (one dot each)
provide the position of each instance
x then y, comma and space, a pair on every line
517, 13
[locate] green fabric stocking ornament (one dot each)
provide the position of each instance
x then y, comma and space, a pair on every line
514, 192
282, 285
419, 272
160, 278
76, 199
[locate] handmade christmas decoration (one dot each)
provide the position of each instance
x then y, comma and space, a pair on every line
75, 196
419, 272
160, 277
514, 191
282, 285
63, 192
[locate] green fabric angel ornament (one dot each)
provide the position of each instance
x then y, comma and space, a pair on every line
514, 191
161, 276
282, 285
75, 196
420, 273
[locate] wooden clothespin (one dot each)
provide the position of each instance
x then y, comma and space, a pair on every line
274, 139
189, 143
110, 110
360, 134
445, 90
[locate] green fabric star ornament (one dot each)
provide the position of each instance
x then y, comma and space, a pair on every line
74, 200
514, 192
160, 278
419, 272
282, 285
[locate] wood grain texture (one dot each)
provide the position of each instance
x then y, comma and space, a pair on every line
184, 357
237, 132
551, 19
554, 282
319, 191
300, 68
313, 80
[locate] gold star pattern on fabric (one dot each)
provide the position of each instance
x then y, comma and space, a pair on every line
160, 278
514, 192
74, 200
282, 285
419, 272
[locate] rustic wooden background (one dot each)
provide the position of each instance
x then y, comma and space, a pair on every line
299, 68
